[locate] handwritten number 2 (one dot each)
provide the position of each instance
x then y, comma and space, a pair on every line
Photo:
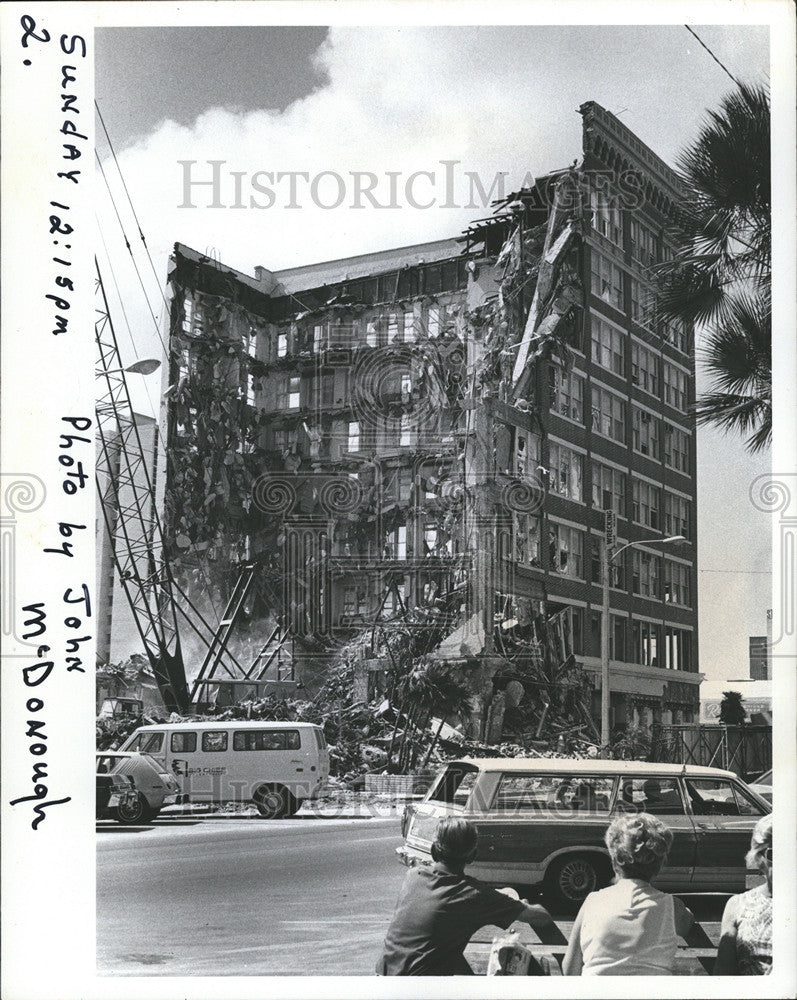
29, 27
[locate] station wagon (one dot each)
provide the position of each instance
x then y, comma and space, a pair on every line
541, 822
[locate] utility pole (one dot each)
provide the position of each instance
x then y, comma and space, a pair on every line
609, 537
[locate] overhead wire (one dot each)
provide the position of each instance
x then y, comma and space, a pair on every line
719, 62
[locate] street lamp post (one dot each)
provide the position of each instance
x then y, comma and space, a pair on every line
606, 561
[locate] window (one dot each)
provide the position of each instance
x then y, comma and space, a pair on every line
215, 742
641, 304
566, 551
608, 414
644, 243
405, 430
608, 346
353, 441
193, 316
616, 566
677, 589
409, 327
454, 786
719, 797
250, 342
433, 321
267, 739
371, 335
392, 328
646, 504
527, 454
355, 600
677, 515
658, 796
677, 648
288, 393
282, 344
675, 387
282, 440
608, 488
646, 432
183, 743
646, 636
567, 792
146, 743
646, 574
617, 639
674, 332
567, 393
676, 448
644, 368
606, 280
566, 468
606, 215
526, 531
396, 543
250, 389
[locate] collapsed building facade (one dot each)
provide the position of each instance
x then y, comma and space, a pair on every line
433, 435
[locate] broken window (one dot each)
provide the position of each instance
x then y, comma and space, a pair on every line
282, 344
646, 642
250, 389
606, 217
566, 550
641, 303
677, 514
608, 413
567, 393
318, 338
433, 321
526, 529
566, 469
527, 453
677, 588
282, 440
645, 243
409, 326
250, 342
396, 543
371, 333
646, 503
353, 441
646, 574
293, 392
405, 430
392, 328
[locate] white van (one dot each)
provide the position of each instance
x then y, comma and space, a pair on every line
276, 765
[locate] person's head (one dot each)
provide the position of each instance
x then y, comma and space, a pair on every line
760, 854
652, 789
638, 845
455, 843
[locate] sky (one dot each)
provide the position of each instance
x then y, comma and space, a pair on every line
404, 99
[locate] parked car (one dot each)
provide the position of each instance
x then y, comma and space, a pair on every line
114, 791
763, 785
153, 786
542, 822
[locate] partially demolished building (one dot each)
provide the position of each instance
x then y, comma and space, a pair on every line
434, 435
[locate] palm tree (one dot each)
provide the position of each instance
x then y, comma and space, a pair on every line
732, 711
720, 274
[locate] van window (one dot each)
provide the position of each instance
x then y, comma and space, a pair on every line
214, 742
659, 796
320, 739
455, 785
146, 743
183, 742
267, 739
566, 792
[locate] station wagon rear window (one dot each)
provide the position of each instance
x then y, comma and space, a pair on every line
214, 742
529, 792
183, 742
267, 739
719, 797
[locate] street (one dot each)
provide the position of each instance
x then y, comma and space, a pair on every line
243, 896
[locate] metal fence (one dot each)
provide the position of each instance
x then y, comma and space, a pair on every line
746, 750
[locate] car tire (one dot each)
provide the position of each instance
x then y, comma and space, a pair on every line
137, 811
294, 805
570, 879
272, 801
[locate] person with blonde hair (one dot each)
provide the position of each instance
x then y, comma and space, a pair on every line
630, 928
745, 947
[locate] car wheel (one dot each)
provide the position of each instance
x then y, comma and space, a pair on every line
272, 802
293, 805
571, 879
135, 810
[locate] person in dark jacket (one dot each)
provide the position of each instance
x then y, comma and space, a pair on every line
439, 909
